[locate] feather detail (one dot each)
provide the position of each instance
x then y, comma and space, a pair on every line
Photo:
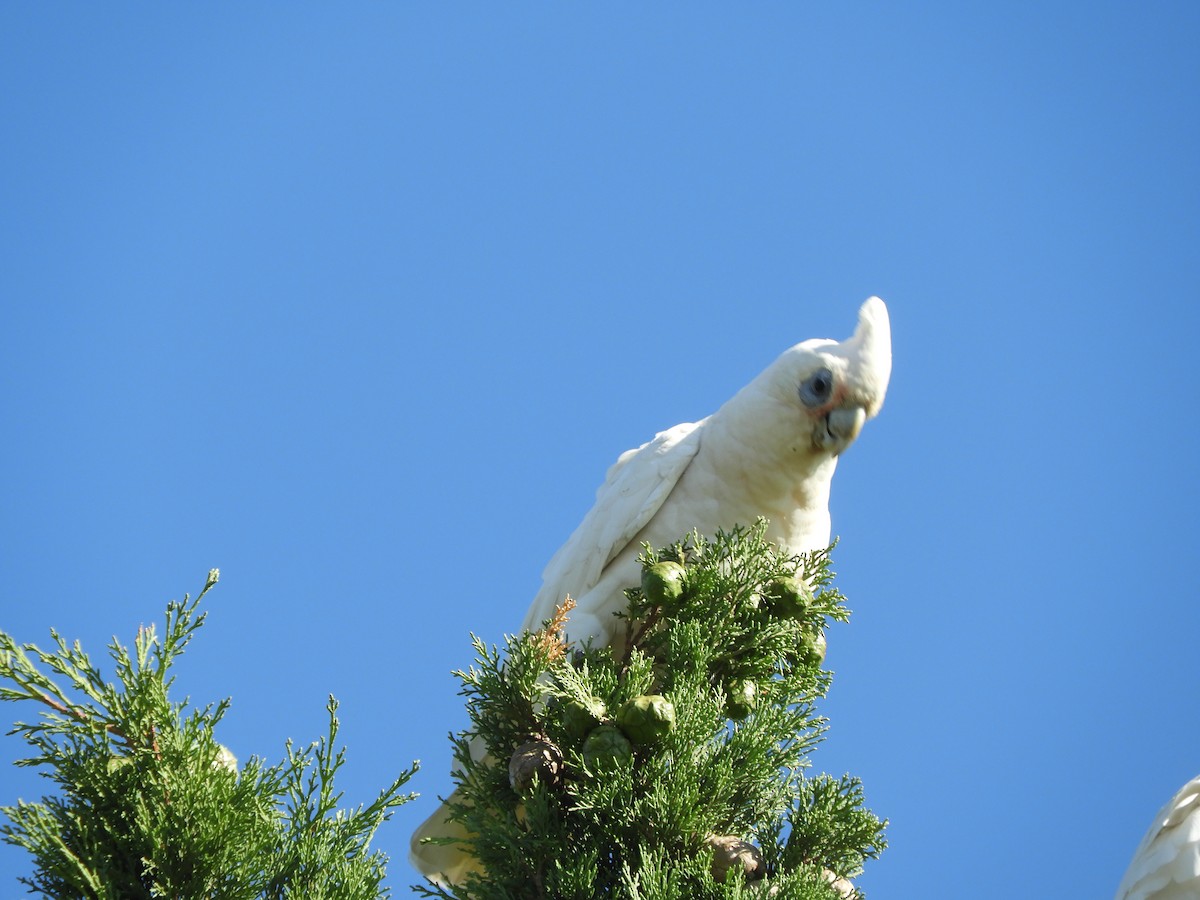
1166, 864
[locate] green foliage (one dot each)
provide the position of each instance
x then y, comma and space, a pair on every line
829, 823
150, 805
648, 823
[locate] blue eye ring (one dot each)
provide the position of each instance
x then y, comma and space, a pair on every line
817, 388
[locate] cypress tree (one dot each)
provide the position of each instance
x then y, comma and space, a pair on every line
674, 764
149, 805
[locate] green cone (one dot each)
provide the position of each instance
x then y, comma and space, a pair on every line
662, 583
606, 747
580, 718
743, 697
647, 719
788, 597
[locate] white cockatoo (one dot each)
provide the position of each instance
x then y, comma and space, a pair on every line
1166, 864
770, 451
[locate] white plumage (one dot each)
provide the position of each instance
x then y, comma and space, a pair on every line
1166, 864
769, 451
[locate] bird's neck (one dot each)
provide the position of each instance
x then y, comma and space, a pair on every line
771, 472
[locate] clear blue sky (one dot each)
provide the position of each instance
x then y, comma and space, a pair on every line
358, 302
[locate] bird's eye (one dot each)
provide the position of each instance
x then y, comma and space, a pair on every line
816, 388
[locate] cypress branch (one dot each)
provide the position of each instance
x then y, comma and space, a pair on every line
671, 767
149, 804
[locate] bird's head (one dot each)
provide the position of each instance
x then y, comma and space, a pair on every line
832, 388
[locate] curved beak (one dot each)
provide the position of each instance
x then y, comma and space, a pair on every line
842, 425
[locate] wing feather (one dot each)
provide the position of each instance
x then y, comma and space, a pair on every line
1166, 864
635, 488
